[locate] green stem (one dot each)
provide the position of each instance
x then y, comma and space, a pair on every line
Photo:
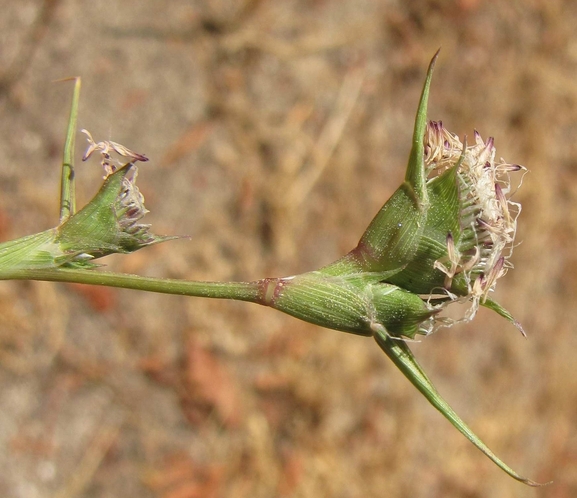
240, 291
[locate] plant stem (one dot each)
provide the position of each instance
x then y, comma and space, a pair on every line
239, 291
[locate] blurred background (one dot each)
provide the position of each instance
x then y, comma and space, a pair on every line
275, 131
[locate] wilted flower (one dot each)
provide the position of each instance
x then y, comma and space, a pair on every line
107, 146
477, 256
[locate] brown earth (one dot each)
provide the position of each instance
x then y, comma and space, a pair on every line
275, 131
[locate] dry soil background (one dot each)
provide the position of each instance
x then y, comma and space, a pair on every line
276, 129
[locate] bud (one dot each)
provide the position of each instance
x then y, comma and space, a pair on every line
105, 148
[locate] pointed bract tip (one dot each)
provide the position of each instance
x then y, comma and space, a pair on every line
520, 328
434, 59
533, 484
70, 78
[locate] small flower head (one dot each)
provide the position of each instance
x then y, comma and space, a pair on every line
110, 223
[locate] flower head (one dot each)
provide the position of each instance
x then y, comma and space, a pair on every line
477, 255
444, 236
